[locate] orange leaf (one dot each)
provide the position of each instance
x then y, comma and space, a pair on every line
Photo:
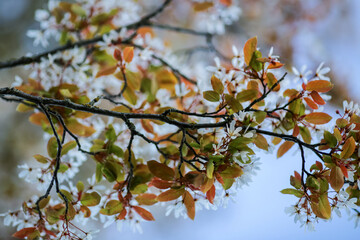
145, 214
318, 118
106, 71
160, 170
249, 49
38, 119
284, 148
170, 194
311, 103
296, 131
202, 6
146, 199
210, 195
189, 204
317, 98
23, 233
273, 65
128, 54
348, 148
319, 86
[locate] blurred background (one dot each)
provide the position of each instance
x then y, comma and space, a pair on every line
301, 31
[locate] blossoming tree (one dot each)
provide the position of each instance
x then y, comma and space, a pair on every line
164, 130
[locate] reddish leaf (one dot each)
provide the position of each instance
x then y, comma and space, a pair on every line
122, 215
160, 170
117, 54
145, 214
318, 118
311, 103
344, 171
23, 233
319, 86
160, 184
284, 148
317, 98
189, 204
249, 49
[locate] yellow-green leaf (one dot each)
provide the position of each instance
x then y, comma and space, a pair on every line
336, 178
348, 148
211, 96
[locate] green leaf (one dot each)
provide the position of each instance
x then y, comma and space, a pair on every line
90, 199
67, 147
210, 169
52, 147
296, 193
211, 96
217, 84
305, 134
246, 95
110, 134
112, 207
80, 186
330, 139
41, 158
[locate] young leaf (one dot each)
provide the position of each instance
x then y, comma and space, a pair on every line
311, 103
318, 118
210, 194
